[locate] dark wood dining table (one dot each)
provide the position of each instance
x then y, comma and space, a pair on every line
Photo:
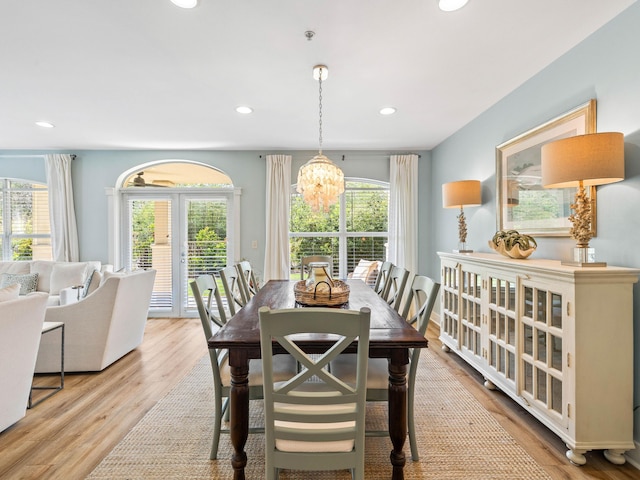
391, 337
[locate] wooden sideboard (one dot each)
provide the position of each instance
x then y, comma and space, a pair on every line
557, 339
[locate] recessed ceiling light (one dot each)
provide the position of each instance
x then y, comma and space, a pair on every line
244, 110
185, 3
45, 124
387, 111
451, 5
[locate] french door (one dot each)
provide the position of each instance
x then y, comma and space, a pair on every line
181, 236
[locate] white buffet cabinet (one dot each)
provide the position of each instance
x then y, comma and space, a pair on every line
557, 339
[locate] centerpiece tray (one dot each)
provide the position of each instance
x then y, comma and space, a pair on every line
335, 296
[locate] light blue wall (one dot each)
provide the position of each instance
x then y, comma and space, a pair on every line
23, 166
95, 171
605, 67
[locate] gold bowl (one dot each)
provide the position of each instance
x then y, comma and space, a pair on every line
514, 252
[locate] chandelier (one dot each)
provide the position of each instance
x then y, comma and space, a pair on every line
320, 181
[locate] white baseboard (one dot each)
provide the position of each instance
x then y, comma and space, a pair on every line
633, 456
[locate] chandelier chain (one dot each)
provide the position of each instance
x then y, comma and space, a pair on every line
320, 108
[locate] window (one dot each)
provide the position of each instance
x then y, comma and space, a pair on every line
177, 218
355, 228
25, 233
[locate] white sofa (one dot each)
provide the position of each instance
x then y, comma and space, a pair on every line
100, 328
54, 278
20, 333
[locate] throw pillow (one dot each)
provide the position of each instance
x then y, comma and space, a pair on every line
28, 281
87, 282
96, 281
65, 275
92, 283
43, 268
107, 275
10, 292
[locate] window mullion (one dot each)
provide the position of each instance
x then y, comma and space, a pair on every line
6, 221
342, 237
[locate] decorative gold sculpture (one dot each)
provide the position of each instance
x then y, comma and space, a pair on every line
581, 230
462, 227
513, 244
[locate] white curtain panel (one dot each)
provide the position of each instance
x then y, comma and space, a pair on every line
62, 213
403, 212
276, 255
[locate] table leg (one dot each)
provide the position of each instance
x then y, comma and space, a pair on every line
239, 405
397, 416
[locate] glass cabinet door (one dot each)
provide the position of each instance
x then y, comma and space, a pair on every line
502, 326
450, 301
542, 349
470, 312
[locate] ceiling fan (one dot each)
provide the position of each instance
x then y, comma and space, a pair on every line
138, 181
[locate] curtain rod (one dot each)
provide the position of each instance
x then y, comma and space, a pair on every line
73, 156
365, 155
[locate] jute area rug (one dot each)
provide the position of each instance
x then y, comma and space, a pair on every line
457, 438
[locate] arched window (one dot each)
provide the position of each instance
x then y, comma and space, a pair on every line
25, 232
357, 227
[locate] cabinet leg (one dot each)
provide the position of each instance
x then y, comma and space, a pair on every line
488, 384
445, 348
576, 456
615, 456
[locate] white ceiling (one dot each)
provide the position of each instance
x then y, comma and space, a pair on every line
145, 74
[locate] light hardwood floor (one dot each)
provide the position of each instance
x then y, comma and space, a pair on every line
67, 435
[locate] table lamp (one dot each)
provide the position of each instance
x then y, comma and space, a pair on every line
460, 194
583, 160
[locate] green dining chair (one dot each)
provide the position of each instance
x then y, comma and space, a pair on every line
381, 279
212, 316
247, 278
233, 291
314, 420
394, 287
417, 311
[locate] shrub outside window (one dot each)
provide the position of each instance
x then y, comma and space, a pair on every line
355, 228
25, 232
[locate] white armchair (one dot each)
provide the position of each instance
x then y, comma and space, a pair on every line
100, 328
20, 332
